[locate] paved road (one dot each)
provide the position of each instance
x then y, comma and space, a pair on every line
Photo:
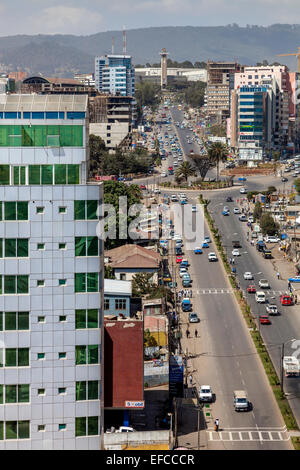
227, 361
284, 327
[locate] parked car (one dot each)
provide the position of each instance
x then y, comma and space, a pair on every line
272, 239
193, 318
205, 393
178, 259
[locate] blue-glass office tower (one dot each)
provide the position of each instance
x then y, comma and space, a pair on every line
114, 74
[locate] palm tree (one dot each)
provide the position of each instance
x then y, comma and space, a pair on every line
184, 171
217, 152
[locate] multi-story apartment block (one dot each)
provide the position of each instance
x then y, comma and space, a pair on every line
114, 74
220, 82
51, 277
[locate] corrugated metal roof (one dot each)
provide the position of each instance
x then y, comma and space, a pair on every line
18, 102
114, 286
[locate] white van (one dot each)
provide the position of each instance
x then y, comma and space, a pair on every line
260, 297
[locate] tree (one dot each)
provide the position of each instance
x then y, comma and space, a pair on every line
268, 225
184, 171
217, 153
202, 163
109, 272
149, 340
147, 94
257, 213
297, 185
142, 284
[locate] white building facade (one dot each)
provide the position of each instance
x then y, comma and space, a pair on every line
51, 277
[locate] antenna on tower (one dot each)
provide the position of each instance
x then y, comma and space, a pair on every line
124, 41
113, 45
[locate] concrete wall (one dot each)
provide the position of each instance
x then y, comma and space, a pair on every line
116, 441
117, 132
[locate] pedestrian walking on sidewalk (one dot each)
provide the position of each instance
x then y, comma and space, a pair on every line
296, 298
217, 424
191, 380
196, 333
187, 333
230, 261
191, 293
278, 275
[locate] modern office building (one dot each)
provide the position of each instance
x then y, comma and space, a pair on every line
220, 82
51, 277
114, 74
251, 132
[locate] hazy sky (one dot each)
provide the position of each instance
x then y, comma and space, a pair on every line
92, 16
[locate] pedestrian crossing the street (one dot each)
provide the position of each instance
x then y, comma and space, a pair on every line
248, 435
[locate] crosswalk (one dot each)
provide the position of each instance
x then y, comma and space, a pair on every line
226, 290
248, 435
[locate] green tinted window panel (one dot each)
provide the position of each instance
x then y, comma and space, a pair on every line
92, 207
40, 136
4, 175
11, 430
10, 211
92, 282
53, 141
66, 136
1, 210
10, 248
47, 174
14, 130
80, 282
80, 246
92, 318
23, 429
9, 284
60, 174
1, 247
23, 320
23, 357
34, 174
1, 396
73, 174
3, 136
1, 321
22, 210
15, 140
79, 210
10, 321
28, 136
93, 390
11, 394
23, 393
93, 354
1, 430
80, 391
80, 354
10, 357
80, 427
93, 426
22, 284
1, 357
22, 248
80, 319
92, 246
77, 136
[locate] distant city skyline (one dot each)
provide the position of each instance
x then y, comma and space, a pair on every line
71, 17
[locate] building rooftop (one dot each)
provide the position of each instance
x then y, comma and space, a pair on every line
132, 256
116, 287
31, 102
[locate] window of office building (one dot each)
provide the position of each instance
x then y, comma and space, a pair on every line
13, 321
15, 430
85, 210
86, 319
15, 210
14, 284
87, 390
86, 246
86, 282
87, 354
87, 426
14, 357
15, 393
15, 248
19, 175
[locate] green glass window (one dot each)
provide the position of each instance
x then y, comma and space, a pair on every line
92, 246
93, 354
0, 210
23, 321
1, 321
24, 429
10, 321
79, 210
62, 246
22, 285
22, 210
41, 356
60, 174
62, 210
92, 282
1, 394
19, 175
1, 289
80, 352
62, 282
47, 174
34, 174
73, 174
80, 427
92, 318
23, 393
80, 246
41, 246
80, 282
1, 358
93, 390
22, 247
11, 394
4, 174
11, 430
80, 391
53, 141
92, 207
10, 357
9, 284
1, 430
80, 319
1, 247
10, 211
10, 248
23, 357
93, 426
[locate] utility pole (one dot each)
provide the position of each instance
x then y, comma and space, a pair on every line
282, 356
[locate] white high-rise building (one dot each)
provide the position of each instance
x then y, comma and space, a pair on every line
51, 277
114, 74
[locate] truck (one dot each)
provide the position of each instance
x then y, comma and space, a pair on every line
236, 244
267, 254
291, 366
171, 170
240, 400
186, 305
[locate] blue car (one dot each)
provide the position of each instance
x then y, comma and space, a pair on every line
184, 263
294, 279
242, 178
205, 245
198, 251
225, 213
183, 202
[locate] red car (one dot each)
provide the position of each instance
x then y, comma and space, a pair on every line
286, 299
179, 259
142, 186
264, 320
251, 289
